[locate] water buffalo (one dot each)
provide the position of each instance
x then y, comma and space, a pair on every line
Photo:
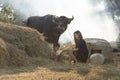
50, 25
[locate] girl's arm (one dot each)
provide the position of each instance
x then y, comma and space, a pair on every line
73, 49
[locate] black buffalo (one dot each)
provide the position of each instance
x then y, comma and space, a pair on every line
51, 26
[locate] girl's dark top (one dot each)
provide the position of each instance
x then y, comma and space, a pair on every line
82, 53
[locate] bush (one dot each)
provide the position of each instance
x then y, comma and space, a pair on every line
7, 14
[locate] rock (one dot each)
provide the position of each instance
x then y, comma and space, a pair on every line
97, 58
102, 46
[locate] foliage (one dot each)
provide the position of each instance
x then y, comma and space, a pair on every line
7, 14
113, 6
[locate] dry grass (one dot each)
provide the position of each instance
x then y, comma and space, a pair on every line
21, 43
60, 71
23, 57
3, 53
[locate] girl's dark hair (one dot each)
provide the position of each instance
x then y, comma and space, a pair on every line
79, 34
56, 45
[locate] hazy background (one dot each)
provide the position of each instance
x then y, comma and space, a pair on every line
90, 18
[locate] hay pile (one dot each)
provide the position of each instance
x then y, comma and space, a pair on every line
18, 44
3, 52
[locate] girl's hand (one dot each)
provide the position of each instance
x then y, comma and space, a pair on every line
74, 49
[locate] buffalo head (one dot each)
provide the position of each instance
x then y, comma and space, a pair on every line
62, 22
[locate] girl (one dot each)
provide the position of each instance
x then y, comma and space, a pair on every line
80, 51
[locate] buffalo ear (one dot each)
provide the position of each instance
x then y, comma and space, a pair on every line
55, 20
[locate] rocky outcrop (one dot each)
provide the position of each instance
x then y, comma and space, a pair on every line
102, 46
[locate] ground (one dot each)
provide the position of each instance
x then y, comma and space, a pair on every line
52, 70
24, 56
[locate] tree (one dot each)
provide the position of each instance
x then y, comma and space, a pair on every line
7, 14
113, 6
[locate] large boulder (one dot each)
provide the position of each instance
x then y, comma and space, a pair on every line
18, 44
102, 46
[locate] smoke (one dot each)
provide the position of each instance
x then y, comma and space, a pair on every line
90, 19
